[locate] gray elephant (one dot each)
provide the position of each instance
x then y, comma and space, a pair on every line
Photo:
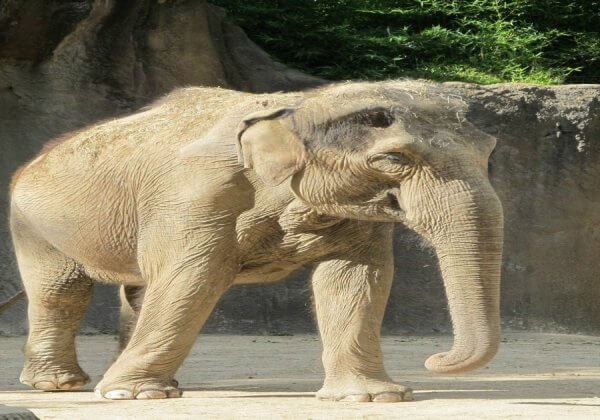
209, 188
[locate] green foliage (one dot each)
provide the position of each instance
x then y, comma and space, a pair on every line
484, 41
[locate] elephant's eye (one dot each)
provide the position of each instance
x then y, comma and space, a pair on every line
378, 118
391, 162
398, 158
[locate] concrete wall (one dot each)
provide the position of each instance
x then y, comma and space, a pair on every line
92, 60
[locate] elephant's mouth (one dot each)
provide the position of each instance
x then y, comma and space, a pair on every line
393, 202
391, 206
384, 207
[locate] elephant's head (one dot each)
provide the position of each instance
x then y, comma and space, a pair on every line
399, 152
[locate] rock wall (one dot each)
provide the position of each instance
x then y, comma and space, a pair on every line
546, 170
67, 64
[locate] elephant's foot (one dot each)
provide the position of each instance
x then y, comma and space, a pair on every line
142, 389
361, 389
53, 378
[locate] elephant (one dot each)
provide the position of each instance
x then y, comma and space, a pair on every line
209, 188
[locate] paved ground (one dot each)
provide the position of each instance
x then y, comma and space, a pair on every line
545, 376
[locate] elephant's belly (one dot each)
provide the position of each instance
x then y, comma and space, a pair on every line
126, 278
267, 273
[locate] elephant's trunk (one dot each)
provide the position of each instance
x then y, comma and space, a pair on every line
470, 254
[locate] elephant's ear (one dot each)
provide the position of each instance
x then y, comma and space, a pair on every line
268, 146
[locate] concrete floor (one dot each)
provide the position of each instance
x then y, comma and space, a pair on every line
545, 376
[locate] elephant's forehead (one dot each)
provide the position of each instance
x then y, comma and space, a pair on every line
423, 116
407, 99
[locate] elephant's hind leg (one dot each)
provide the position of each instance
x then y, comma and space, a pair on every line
58, 294
131, 303
183, 286
131, 298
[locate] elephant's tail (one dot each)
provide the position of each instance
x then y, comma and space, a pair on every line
5, 305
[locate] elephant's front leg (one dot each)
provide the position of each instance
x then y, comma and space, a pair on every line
182, 291
350, 298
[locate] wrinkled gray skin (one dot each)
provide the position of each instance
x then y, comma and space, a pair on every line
209, 188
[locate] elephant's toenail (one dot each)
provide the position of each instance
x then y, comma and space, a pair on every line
119, 394
151, 395
388, 397
45, 385
174, 393
72, 385
357, 398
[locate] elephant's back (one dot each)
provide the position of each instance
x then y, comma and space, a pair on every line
80, 192
147, 137
78, 203
84, 191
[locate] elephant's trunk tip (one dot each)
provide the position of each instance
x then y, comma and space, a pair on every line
459, 361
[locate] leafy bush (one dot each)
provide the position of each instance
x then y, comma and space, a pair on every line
484, 41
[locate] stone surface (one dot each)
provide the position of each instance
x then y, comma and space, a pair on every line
16, 413
67, 64
534, 376
546, 170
